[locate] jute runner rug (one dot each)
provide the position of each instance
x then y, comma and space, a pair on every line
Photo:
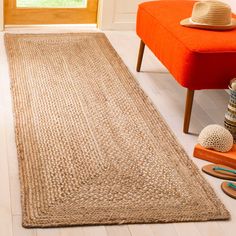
92, 149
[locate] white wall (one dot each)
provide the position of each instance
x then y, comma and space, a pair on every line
121, 14
118, 14
232, 3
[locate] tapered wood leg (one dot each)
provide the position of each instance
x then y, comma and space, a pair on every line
188, 110
140, 55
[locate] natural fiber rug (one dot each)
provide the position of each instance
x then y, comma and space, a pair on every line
92, 149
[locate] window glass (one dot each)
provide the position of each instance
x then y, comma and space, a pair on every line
52, 3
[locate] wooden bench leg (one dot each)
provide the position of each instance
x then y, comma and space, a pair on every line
188, 110
140, 55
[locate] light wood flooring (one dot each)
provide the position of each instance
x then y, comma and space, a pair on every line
209, 107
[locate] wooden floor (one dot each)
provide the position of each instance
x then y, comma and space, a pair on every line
168, 97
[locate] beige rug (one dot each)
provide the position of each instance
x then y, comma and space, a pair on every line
92, 149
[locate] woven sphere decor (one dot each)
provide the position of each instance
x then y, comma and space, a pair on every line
216, 137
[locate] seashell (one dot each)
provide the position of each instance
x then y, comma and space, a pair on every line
217, 138
233, 84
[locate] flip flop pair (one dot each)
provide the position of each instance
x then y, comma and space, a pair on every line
223, 172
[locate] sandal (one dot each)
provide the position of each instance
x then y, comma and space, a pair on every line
229, 188
220, 171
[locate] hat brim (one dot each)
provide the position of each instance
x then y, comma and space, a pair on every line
188, 23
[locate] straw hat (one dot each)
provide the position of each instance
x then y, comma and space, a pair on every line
213, 15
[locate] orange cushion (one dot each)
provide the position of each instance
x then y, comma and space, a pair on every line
198, 59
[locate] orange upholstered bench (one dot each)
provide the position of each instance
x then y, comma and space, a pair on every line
198, 59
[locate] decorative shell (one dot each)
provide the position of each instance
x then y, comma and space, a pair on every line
216, 137
233, 84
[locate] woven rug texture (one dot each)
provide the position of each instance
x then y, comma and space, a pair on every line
92, 149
